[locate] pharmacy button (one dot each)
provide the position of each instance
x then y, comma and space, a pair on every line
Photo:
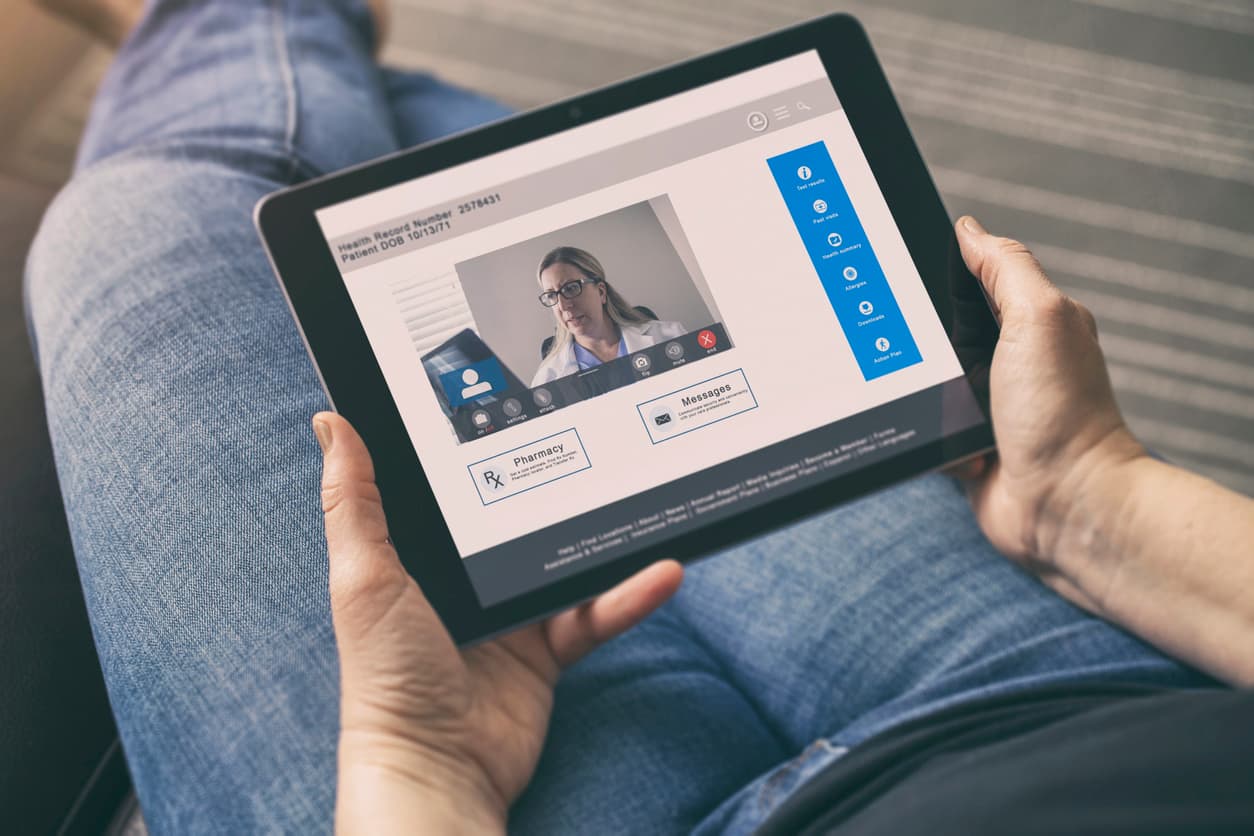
538, 463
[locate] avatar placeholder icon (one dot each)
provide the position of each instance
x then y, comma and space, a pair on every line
474, 386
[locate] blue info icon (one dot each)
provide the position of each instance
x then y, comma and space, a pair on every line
471, 382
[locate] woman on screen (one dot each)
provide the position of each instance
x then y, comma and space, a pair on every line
594, 323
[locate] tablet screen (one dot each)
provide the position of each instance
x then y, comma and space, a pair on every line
647, 323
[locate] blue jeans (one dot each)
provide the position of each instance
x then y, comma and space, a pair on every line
179, 397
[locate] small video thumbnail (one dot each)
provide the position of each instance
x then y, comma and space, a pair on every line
572, 314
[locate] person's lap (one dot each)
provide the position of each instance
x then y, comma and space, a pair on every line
178, 399
826, 633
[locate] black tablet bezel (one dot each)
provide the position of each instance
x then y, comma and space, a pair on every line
337, 341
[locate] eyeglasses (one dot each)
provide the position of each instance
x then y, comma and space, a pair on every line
570, 290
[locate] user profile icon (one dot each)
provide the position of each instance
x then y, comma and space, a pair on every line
543, 397
882, 344
849, 273
865, 308
804, 173
820, 206
512, 407
834, 240
757, 121
473, 385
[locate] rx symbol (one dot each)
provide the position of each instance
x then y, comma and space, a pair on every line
492, 480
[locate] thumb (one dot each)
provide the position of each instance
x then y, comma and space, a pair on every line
385, 629
362, 560
1009, 273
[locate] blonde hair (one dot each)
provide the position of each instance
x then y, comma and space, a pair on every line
616, 307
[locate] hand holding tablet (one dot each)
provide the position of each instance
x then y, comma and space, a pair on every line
649, 322
432, 738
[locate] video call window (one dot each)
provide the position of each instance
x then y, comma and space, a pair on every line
572, 314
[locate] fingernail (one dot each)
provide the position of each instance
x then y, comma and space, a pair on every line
972, 225
322, 431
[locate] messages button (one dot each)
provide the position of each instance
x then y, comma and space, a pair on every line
696, 406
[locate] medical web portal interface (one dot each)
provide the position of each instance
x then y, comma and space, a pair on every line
780, 237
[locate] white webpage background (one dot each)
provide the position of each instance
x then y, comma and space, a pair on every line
787, 338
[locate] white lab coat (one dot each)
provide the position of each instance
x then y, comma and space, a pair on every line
635, 337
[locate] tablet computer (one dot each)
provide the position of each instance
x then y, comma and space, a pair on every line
646, 322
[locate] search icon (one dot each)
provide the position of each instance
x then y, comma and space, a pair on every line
802, 106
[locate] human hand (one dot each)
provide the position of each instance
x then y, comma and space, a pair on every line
1053, 410
432, 738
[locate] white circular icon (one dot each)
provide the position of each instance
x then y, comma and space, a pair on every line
865, 308
834, 239
757, 121
820, 206
882, 344
542, 397
804, 172
850, 274
474, 386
